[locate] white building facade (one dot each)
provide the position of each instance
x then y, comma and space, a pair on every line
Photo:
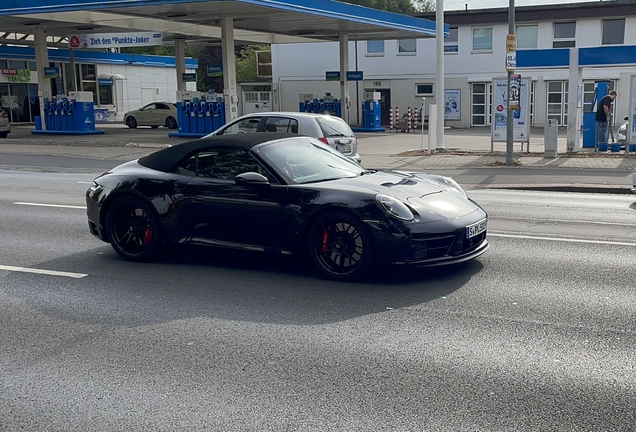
404, 71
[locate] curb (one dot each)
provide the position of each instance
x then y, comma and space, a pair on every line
578, 188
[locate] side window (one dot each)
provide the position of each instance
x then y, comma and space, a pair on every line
222, 164
281, 124
162, 106
243, 126
150, 107
231, 162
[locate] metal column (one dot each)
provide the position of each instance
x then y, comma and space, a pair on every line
575, 102
229, 69
344, 67
179, 52
41, 62
439, 81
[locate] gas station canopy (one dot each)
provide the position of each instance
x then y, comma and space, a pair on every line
198, 22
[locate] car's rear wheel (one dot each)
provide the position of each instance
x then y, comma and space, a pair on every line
171, 123
133, 229
339, 246
131, 122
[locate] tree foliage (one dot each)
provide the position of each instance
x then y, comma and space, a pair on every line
399, 6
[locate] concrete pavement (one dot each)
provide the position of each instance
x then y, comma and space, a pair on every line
463, 149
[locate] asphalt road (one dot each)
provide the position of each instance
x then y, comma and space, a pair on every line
537, 334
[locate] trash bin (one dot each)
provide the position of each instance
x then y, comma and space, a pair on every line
550, 138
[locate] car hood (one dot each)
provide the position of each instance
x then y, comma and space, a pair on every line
428, 194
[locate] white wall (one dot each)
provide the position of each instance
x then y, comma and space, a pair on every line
127, 93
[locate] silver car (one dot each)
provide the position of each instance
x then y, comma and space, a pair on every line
5, 127
329, 129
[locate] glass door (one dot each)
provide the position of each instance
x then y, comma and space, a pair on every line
20, 103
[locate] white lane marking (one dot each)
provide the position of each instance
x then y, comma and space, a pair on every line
43, 272
573, 221
561, 239
49, 205
83, 182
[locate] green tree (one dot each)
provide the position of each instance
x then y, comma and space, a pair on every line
246, 63
399, 6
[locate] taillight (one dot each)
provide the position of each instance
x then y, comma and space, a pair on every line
4, 114
324, 140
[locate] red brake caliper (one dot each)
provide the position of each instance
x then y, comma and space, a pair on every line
148, 235
325, 241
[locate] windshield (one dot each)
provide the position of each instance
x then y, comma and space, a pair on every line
307, 160
334, 127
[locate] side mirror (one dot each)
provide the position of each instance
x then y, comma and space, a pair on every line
251, 179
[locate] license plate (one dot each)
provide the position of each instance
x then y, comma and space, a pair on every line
346, 148
476, 229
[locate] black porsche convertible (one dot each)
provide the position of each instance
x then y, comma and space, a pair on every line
284, 193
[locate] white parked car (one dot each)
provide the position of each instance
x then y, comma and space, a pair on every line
154, 115
331, 130
621, 136
5, 127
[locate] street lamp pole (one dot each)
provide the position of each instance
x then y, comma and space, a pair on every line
509, 67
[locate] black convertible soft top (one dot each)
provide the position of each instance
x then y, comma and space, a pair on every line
165, 159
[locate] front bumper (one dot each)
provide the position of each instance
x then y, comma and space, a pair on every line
95, 197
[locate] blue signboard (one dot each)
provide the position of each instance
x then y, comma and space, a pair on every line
354, 76
332, 76
351, 75
106, 82
51, 72
215, 70
189, 77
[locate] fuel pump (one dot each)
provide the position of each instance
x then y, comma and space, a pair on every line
63, 109
194, 105
56, 114
371, 113
589, 118
201, 116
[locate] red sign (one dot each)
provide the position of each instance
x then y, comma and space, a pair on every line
7, 71
75, 42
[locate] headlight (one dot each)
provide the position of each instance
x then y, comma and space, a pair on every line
394, 207
454, 185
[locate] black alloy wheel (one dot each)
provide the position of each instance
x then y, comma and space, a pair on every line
171, 123
133, 229
339, 246
131, 122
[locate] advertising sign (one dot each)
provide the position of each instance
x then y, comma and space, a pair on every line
332, 76
521, 116
115, 40
51, 72
632, 114
215, 70
189, 77
452, 104
515, 89
106, 82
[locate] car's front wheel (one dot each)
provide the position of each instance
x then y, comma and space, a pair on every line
131, 122
133, 229
339, 246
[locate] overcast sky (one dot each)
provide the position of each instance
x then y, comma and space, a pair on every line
484, 4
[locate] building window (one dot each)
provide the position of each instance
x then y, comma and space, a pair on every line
451, 42
557, 108
375, 48
480, 104
17, 64
482, 39
407, 46
613, 31
564, 34
86, 76
527, 36
264, 64
424, 89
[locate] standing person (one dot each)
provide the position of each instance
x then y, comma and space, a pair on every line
603, 115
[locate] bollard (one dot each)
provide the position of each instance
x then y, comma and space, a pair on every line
391, 119
408, 119
397, 118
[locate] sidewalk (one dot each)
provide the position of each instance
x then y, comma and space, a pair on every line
464, 149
